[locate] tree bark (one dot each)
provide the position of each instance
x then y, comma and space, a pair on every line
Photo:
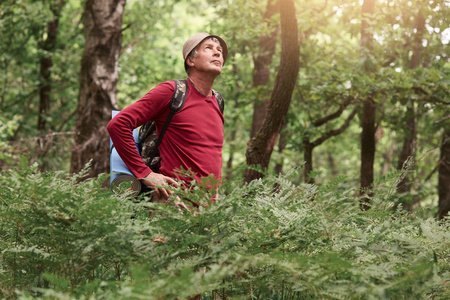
99, 75
334, 170
418, 37
368, 143
282, 142
262, 62
408, 149
308, 158
369, 109
261, 146
45, 64
408, 152
444, 177
45, 84
234, 130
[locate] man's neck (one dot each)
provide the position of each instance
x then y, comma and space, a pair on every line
202, 84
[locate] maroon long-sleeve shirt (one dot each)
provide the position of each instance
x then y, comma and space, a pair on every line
193, 140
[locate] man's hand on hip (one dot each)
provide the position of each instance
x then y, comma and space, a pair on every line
158, 182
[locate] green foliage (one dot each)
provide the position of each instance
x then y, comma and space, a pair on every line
23, 28
270, 239
153, 41
53, 234
7, 128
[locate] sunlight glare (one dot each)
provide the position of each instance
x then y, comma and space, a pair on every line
338, 11
445, 36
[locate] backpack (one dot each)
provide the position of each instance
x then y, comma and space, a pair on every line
149, 142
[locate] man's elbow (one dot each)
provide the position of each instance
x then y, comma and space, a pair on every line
111, 127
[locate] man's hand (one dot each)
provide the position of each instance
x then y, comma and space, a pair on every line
157, 182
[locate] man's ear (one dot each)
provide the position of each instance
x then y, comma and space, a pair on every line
190, 61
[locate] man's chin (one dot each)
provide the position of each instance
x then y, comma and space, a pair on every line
216, 72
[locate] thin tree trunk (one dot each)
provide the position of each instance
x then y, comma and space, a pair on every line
234, 130
387, 158
308, 148
260, 148
444, 177
45, 85
369, 110
408, 150
99, 75
281, 145
334, 170
262, 62
368, 143
417, 45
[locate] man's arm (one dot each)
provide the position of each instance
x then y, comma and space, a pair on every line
153, 105
120, 129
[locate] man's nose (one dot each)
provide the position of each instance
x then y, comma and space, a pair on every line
217, 52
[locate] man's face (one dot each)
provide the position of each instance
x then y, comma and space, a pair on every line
209, 57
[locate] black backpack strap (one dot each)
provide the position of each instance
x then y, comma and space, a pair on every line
220, 100
176, 104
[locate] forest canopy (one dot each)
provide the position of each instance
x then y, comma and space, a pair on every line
403, 72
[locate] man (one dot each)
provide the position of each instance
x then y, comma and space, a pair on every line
194, 138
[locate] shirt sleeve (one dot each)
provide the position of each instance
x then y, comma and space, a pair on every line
154, 105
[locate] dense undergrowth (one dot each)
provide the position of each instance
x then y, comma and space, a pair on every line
65, 239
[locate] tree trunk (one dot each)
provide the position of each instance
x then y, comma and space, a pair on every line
408, 150
308, 148
45, 85
444, 176
369, 110
417, 45
46, 62
234, 130
281, 145
333, 169
260, 148
261, 72
99, 75
367, 149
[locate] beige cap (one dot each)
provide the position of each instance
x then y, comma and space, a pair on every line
195, 40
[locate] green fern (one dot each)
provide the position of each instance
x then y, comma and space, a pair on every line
64, 238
